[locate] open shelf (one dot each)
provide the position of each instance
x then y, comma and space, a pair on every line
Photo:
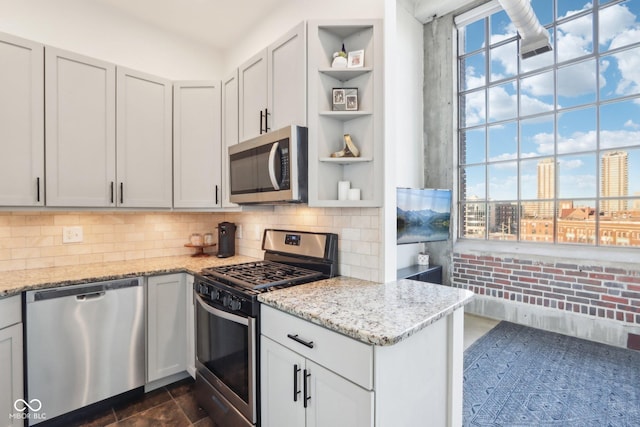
327, 127
345, 115
346, 160
345, 74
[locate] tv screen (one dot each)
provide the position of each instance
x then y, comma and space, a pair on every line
423, 215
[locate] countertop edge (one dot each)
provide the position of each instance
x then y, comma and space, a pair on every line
92, 279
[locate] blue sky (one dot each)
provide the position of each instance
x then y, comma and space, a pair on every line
616, 75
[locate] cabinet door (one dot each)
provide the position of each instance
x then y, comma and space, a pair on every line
229, 130
166, 326
336, 402
11, 377
252, 96
281, 379
287, 79
80, 132
21, 122
197, 179
144, 140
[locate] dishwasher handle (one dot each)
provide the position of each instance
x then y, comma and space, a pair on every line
90, 296
86, 291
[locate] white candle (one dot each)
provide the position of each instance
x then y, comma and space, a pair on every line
354, 194
343, 189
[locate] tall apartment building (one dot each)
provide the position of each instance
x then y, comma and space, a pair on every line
546, 187
614, 179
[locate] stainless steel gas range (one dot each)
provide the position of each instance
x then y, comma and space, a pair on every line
228, 322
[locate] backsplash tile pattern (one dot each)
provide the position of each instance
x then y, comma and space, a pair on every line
33, 239
593, 290
358, 229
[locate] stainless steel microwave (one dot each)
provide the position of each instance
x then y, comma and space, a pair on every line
271, 168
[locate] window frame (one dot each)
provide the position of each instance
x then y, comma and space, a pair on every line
460, 90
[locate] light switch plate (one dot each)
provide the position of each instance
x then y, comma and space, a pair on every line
72, 234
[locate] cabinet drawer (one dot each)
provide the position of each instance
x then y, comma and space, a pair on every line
345, 356
10, 311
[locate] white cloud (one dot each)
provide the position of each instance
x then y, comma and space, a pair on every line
577, 141
530, 105
619, 138
474, 108
502, 104
615, 22
504, 156
571, 164
503, 188
629, 66
631, 124
585, 141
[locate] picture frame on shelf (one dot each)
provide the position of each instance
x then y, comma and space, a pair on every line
344, 99
355, 59
351, 101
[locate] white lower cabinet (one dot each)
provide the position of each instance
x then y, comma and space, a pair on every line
166, 326
299, 383
11, 368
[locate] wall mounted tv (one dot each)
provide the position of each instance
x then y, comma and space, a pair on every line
423, 215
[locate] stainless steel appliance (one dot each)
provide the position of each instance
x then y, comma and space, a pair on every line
228, 323
271, 168
85, 343
226, 239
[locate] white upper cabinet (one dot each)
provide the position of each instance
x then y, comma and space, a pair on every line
252, 94
229, 130
272, 86
144, 148
197, 156
21, 122
287, 85
80, 130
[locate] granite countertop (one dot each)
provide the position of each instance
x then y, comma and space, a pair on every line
374, 313
14, 282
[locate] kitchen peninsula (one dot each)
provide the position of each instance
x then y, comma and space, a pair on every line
399, 345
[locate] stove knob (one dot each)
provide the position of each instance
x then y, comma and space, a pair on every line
226, 301
215, 294
235, 304
202, 289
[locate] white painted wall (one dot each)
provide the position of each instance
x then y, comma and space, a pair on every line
290, 14
95, 30
405, 143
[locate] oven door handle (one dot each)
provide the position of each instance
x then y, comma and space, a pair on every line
272, 167
216, 312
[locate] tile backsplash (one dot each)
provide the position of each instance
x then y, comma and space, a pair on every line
34, 239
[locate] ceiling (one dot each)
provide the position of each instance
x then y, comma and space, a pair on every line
221, 23
218, 23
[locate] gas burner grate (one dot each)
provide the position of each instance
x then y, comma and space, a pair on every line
262, 274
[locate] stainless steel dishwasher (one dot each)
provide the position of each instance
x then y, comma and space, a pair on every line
85, 343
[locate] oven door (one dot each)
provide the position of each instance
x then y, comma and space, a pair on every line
226, 356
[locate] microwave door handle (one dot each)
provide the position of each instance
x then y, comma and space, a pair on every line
272, 169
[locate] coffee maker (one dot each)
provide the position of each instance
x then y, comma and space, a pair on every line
226, 239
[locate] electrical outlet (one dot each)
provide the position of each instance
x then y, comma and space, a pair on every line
239, 231
72, 234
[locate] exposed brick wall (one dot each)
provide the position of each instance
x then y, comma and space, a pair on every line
599, 291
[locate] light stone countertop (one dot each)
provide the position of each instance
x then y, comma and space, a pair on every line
14, 282
374, 313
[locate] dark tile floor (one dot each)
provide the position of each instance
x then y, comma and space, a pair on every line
170, 406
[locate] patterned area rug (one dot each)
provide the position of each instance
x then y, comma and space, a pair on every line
520, 376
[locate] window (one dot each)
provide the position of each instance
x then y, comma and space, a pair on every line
549, 146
